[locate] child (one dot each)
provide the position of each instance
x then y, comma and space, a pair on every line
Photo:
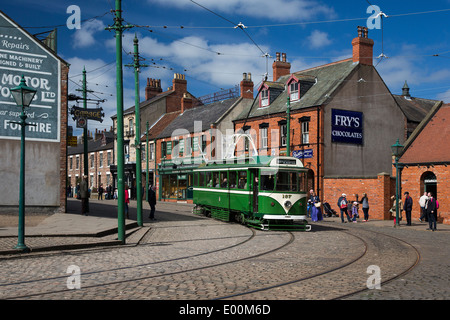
355, 211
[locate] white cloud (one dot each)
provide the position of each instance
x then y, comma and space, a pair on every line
318, 39
198, 59
281, 10
84, 37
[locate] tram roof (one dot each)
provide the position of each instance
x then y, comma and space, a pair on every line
255, 161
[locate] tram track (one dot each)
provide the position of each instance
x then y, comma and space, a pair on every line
249, 293
370, 247
151, 264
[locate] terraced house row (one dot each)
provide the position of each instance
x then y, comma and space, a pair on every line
339, 119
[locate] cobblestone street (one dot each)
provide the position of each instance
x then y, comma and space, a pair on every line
185, 257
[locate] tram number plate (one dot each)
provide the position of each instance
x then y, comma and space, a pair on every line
287, 217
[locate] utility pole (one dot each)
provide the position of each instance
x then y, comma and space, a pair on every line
146, 158
137, 144
288, 128
118, 28
85, 130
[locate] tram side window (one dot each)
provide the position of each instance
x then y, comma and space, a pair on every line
242, 180
267, 180
201, 179
216, 179
223, 179
208, 179
232, 179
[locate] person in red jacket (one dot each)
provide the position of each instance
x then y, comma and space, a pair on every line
127, 201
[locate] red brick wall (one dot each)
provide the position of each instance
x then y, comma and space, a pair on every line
378, 189
412, 181
63, 138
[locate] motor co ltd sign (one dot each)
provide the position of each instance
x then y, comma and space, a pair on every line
21, 54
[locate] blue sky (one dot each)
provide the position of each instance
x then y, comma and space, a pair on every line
310, 32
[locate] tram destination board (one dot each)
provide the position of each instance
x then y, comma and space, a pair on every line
289, 162
22, 54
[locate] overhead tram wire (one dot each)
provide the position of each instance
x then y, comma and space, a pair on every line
298, 23
236, 25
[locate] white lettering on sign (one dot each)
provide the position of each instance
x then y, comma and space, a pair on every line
346, 121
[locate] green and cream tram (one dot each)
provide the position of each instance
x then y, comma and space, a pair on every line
267, 193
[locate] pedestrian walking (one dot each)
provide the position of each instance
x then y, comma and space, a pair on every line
343, 206
127, 201
431, 208
84, 195
152, 201
407, 207
422, 202
365, 206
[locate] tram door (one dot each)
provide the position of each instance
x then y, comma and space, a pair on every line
254, 188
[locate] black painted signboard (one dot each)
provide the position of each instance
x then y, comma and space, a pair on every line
22, 54
346, 126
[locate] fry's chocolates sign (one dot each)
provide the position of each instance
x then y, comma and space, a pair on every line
346, 126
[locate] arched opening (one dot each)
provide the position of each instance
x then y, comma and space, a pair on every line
310, 179
429, 183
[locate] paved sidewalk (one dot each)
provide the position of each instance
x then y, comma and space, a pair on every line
71, 230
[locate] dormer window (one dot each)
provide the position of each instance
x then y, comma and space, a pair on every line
264, 98
294, 91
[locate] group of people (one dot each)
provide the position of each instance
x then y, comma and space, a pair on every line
428, 209
84, 196
349, 209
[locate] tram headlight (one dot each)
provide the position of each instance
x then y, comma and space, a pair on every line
288, 204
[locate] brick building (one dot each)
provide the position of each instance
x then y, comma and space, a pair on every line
156, 107
343, 120
425, 162
100, 157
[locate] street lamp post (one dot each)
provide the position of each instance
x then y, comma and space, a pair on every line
396, 151
23, 96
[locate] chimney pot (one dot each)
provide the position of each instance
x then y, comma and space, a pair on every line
278, 56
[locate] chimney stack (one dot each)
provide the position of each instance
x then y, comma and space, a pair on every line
186, 102
280, 67
153, 88
247, 86
363, 47
179, 83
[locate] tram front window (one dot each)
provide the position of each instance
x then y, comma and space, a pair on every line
286, 181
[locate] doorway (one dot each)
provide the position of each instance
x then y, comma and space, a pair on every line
430, 183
